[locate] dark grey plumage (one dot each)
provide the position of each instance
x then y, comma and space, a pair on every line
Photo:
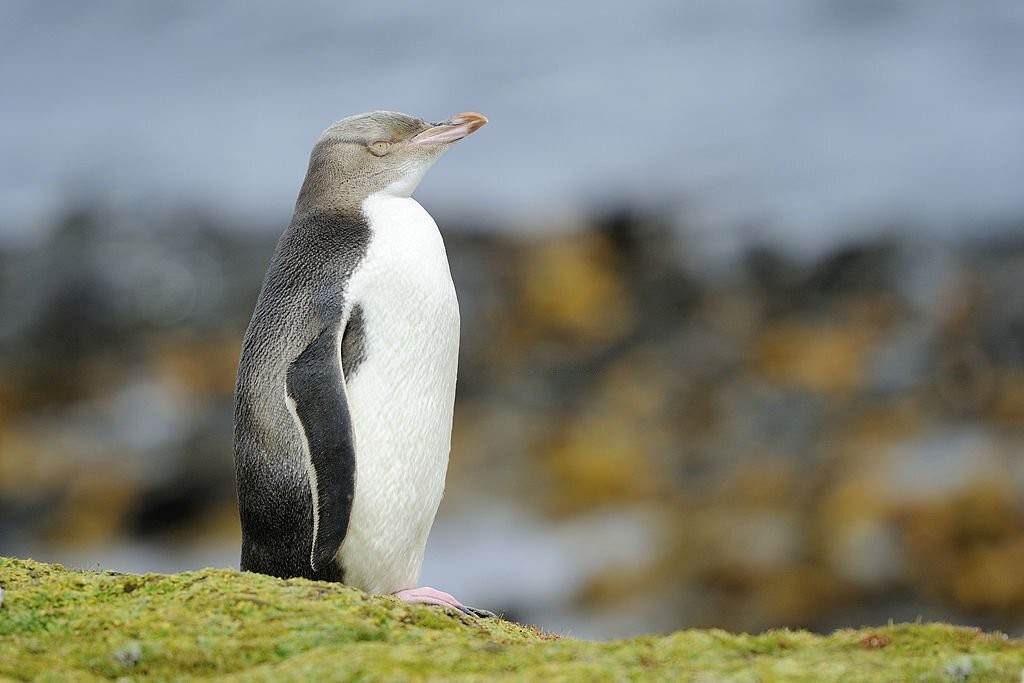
353, 344
295, 306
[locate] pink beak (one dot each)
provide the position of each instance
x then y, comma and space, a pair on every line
452, 130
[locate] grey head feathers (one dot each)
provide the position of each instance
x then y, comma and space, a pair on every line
382, 150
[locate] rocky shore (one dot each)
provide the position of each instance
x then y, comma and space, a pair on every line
806, 444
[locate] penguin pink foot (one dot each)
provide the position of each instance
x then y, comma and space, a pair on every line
432, 596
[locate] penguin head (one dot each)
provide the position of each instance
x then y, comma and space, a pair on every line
380, 152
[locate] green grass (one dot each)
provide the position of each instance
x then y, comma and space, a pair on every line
60, 624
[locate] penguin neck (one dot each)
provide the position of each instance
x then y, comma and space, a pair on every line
325, 190
388, 212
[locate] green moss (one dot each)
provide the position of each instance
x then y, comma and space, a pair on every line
59, 624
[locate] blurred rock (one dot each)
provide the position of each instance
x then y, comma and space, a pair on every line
817, 357
789, 444
571, 291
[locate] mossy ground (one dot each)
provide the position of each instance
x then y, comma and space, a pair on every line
60, 624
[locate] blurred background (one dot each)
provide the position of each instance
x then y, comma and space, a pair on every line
742, 288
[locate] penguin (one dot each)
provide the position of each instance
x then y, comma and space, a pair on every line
346, 381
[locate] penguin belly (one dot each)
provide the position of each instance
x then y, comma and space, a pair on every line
401, 396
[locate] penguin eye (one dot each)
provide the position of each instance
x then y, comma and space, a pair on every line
380, 148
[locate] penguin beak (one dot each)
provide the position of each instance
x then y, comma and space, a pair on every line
452, 130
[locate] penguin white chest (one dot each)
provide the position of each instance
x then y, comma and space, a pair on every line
401, 397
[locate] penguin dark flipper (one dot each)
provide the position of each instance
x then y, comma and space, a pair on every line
317, 401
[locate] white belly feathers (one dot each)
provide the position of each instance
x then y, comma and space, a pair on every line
402, 396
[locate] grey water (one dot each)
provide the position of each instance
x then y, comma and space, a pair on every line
798, 122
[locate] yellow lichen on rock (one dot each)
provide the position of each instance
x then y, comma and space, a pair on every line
596, 459
570, 289
825, 358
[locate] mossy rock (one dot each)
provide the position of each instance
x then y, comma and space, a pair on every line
61, 624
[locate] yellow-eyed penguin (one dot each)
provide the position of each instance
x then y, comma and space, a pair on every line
346, 383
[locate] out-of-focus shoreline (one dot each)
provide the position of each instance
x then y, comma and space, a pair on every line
637, 447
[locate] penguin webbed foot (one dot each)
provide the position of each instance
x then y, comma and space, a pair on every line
477, 612
432, 596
